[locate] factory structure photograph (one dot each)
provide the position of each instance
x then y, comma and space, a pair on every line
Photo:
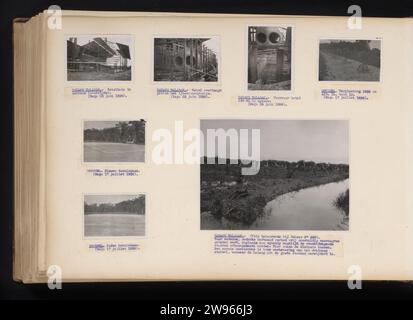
269, 58
106, 58
186, 59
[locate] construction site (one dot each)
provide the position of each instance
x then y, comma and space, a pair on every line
97, 58
269, 58
185, 59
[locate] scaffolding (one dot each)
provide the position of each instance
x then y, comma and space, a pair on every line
184, 60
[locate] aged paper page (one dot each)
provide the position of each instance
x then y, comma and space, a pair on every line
171, 242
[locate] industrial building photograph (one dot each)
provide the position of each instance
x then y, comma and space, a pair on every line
186, 59
269, 58
99, 58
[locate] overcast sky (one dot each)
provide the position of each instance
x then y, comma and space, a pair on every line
109, 198
372, 44
213, 44
83, 39
100, 124
294, 140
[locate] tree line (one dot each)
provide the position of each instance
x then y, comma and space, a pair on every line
122, 132
358, 50
219, 168
136, 206
300, 165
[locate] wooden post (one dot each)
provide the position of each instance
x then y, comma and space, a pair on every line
191, 60
185, 68
288, 43
173, 61
207, 60
252, 58
203, 57
279, 65
196, 53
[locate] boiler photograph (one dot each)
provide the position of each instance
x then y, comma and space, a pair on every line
186, 59
99, 58
301, 180
269, 57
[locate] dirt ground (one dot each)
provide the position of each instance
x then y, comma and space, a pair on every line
337, 68
99, 76
283, 85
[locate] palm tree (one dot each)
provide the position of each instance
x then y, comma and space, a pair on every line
123, 127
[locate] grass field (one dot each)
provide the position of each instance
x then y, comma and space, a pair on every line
336, 68
114, 224
98, 76
113, 152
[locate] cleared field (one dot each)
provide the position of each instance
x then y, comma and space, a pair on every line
114, 225
98, 76
113, 152
337, 68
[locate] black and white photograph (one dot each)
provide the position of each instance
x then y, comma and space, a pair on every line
114, 141
114, 215
99, 58
349, 60
269, 57
186, 59
302, 182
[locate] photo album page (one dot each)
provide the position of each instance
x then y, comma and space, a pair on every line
227, 147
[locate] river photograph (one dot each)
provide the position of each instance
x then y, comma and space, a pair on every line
114, 141
114, 215
302, 182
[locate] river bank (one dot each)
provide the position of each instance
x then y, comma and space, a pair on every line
242, 199
311, 208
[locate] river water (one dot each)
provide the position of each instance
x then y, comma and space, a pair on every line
307, 209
